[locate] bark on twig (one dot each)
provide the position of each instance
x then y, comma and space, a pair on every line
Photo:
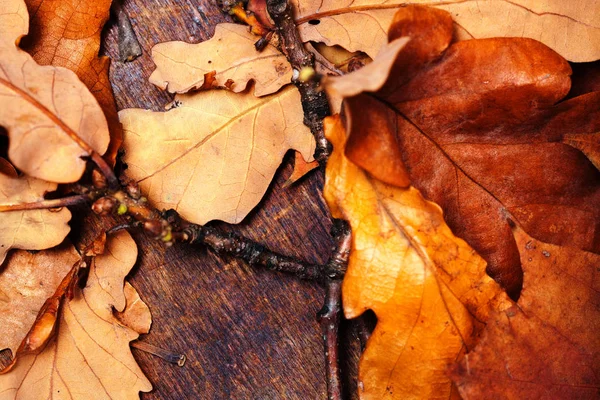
314, 100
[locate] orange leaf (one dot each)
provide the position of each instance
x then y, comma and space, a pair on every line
546, 346
427, 287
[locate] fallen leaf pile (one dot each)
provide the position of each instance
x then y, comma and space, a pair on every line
471, 186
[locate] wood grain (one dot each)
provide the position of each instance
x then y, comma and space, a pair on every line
247, 334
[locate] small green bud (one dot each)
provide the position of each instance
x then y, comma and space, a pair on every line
122, 209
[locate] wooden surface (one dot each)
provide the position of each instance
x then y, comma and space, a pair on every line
247, 334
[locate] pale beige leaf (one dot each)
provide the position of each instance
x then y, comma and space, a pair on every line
372, 76
89, 357
26, 281
213, 156
29, 229
14, 21
571, 28
230, 53
136, 314
41, 106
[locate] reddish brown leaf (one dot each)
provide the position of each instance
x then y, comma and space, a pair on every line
480, 132
546, 346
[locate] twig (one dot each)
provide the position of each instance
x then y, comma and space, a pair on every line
45, 204
167, 355
314, 100
329, 318
129, 46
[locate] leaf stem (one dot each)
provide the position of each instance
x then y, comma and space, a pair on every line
46, 204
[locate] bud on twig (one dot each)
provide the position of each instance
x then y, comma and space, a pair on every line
104, 205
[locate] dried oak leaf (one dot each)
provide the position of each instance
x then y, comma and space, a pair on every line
482, 134
136, 314
546, 346
44, 108
29, 229
361, 25
67, 34
26, 281
89, 355
214, 155
229, 54
427, 287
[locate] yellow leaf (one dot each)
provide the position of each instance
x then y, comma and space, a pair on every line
574, 32
26, 281
51, 118
427, 287
213, 156
230, 53
89, 356
29, 229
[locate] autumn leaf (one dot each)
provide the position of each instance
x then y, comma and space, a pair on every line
575, 32
427, 287
230, 55
214, 155
44, 105
67, 34
546, 345
29, 229
26, 281
301, 168
486, 120
136, 314
89, 356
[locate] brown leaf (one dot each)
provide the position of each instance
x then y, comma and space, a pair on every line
427, 287
66, 34
44, 109
136, 314
482, 167
181, 67
574, 32
213, 157
89, 357
29, 229
26, 281
301, 168
546, 346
